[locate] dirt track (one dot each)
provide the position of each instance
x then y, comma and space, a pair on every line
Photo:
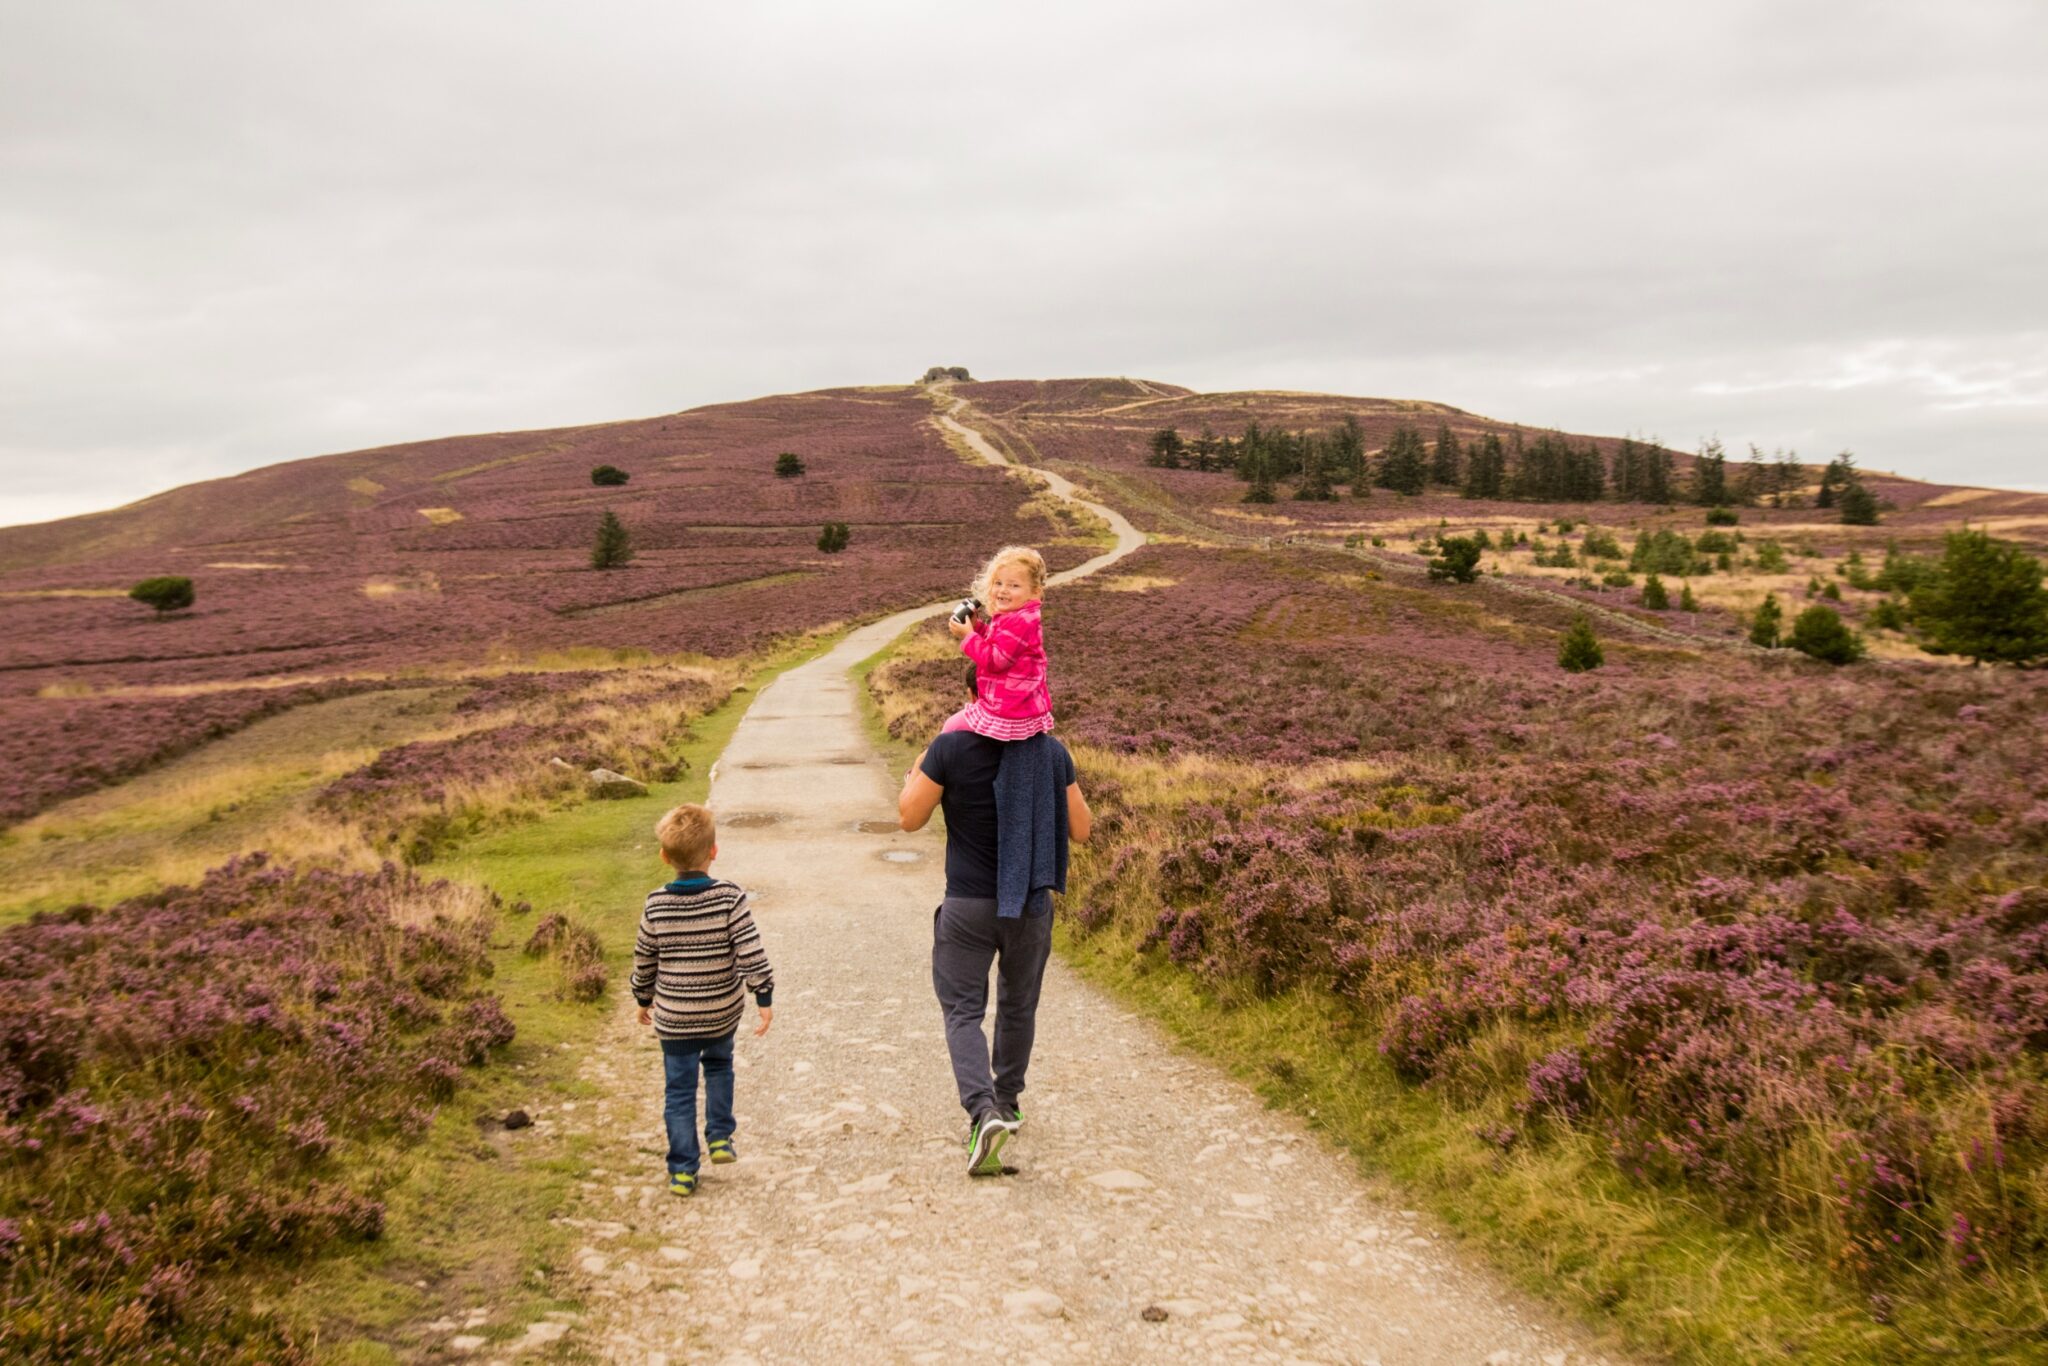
1158, 1210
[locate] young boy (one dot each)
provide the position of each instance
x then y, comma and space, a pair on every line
697, 943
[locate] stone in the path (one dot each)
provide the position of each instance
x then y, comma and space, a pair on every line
676, 1254
745, 1269
518, 1119
468, 1342
1223, 1323
540, 1334
607, 784
910, 1287
594, 1264
1184, 1308
1120, 1180
1152, 1313
1501, 1358
1027, 1304
868, 1185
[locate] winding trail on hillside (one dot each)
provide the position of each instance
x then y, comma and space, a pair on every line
849, 1230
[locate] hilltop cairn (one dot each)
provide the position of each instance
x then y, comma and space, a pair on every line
939, 374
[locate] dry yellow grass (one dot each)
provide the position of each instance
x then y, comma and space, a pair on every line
64, 593
1955, 496
441, 516
1133, 583
369, 488
246, 564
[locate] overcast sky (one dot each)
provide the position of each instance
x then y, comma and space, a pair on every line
237, 233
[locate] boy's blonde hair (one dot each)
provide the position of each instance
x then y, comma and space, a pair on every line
687, 835
1033, 562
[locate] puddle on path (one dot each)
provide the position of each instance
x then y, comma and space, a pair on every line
750, 820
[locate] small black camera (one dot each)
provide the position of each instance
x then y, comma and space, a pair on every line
966, 610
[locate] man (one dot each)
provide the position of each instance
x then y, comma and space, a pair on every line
1011, 808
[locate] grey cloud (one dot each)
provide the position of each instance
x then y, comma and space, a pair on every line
234, 233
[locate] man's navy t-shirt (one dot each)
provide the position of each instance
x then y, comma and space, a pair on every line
965, 764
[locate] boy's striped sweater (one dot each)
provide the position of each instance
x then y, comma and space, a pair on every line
697, 942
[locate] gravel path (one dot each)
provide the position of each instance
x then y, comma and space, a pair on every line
1158, 1210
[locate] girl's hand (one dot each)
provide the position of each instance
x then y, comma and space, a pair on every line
960, 629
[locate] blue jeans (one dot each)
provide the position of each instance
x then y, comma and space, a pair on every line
679, 1061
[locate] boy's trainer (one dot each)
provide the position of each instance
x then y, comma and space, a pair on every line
985, 1145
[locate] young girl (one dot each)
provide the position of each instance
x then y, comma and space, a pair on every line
1012, 694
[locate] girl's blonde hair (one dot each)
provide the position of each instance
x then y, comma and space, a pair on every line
1033, 562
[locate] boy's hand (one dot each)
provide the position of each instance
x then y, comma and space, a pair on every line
646, 1016
767, 1018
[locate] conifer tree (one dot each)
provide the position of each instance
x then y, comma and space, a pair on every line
1404, 465
614, 546
1686, 601
1315, 477
1710, 474
1984, 602
1350, 459
1446, 461
1764, 626
1580, 649
1261, 490
1858, 504
1457, 560
1206, 450
1840, 473
1166, 449
1654, 596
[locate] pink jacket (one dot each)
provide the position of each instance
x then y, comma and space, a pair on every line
1013, 693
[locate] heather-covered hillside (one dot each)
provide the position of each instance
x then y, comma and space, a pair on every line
452, 553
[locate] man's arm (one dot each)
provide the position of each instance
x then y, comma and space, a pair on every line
1080, 820
919, 798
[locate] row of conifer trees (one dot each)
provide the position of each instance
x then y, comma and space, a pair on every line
1546, 468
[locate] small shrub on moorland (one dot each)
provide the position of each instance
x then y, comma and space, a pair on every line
788, 465
1819, 633
1767, 622
165, 592
1665, 552
1618, 578
1482, 540
1600, 545
578, 955
1984, 602
1832, 591
1457, 561
1654, 596
1903, 573
1580, 649
835, 537
1714, 543
614, 545
1888, 615
1722, 517
608, 476
1770, 558
189, 1082
1686, 601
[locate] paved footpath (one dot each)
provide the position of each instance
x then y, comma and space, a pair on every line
1158, 1211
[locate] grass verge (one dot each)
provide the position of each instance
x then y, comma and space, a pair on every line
470, 1212
1559, 1220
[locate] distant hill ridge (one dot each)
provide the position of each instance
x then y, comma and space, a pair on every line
493, 475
